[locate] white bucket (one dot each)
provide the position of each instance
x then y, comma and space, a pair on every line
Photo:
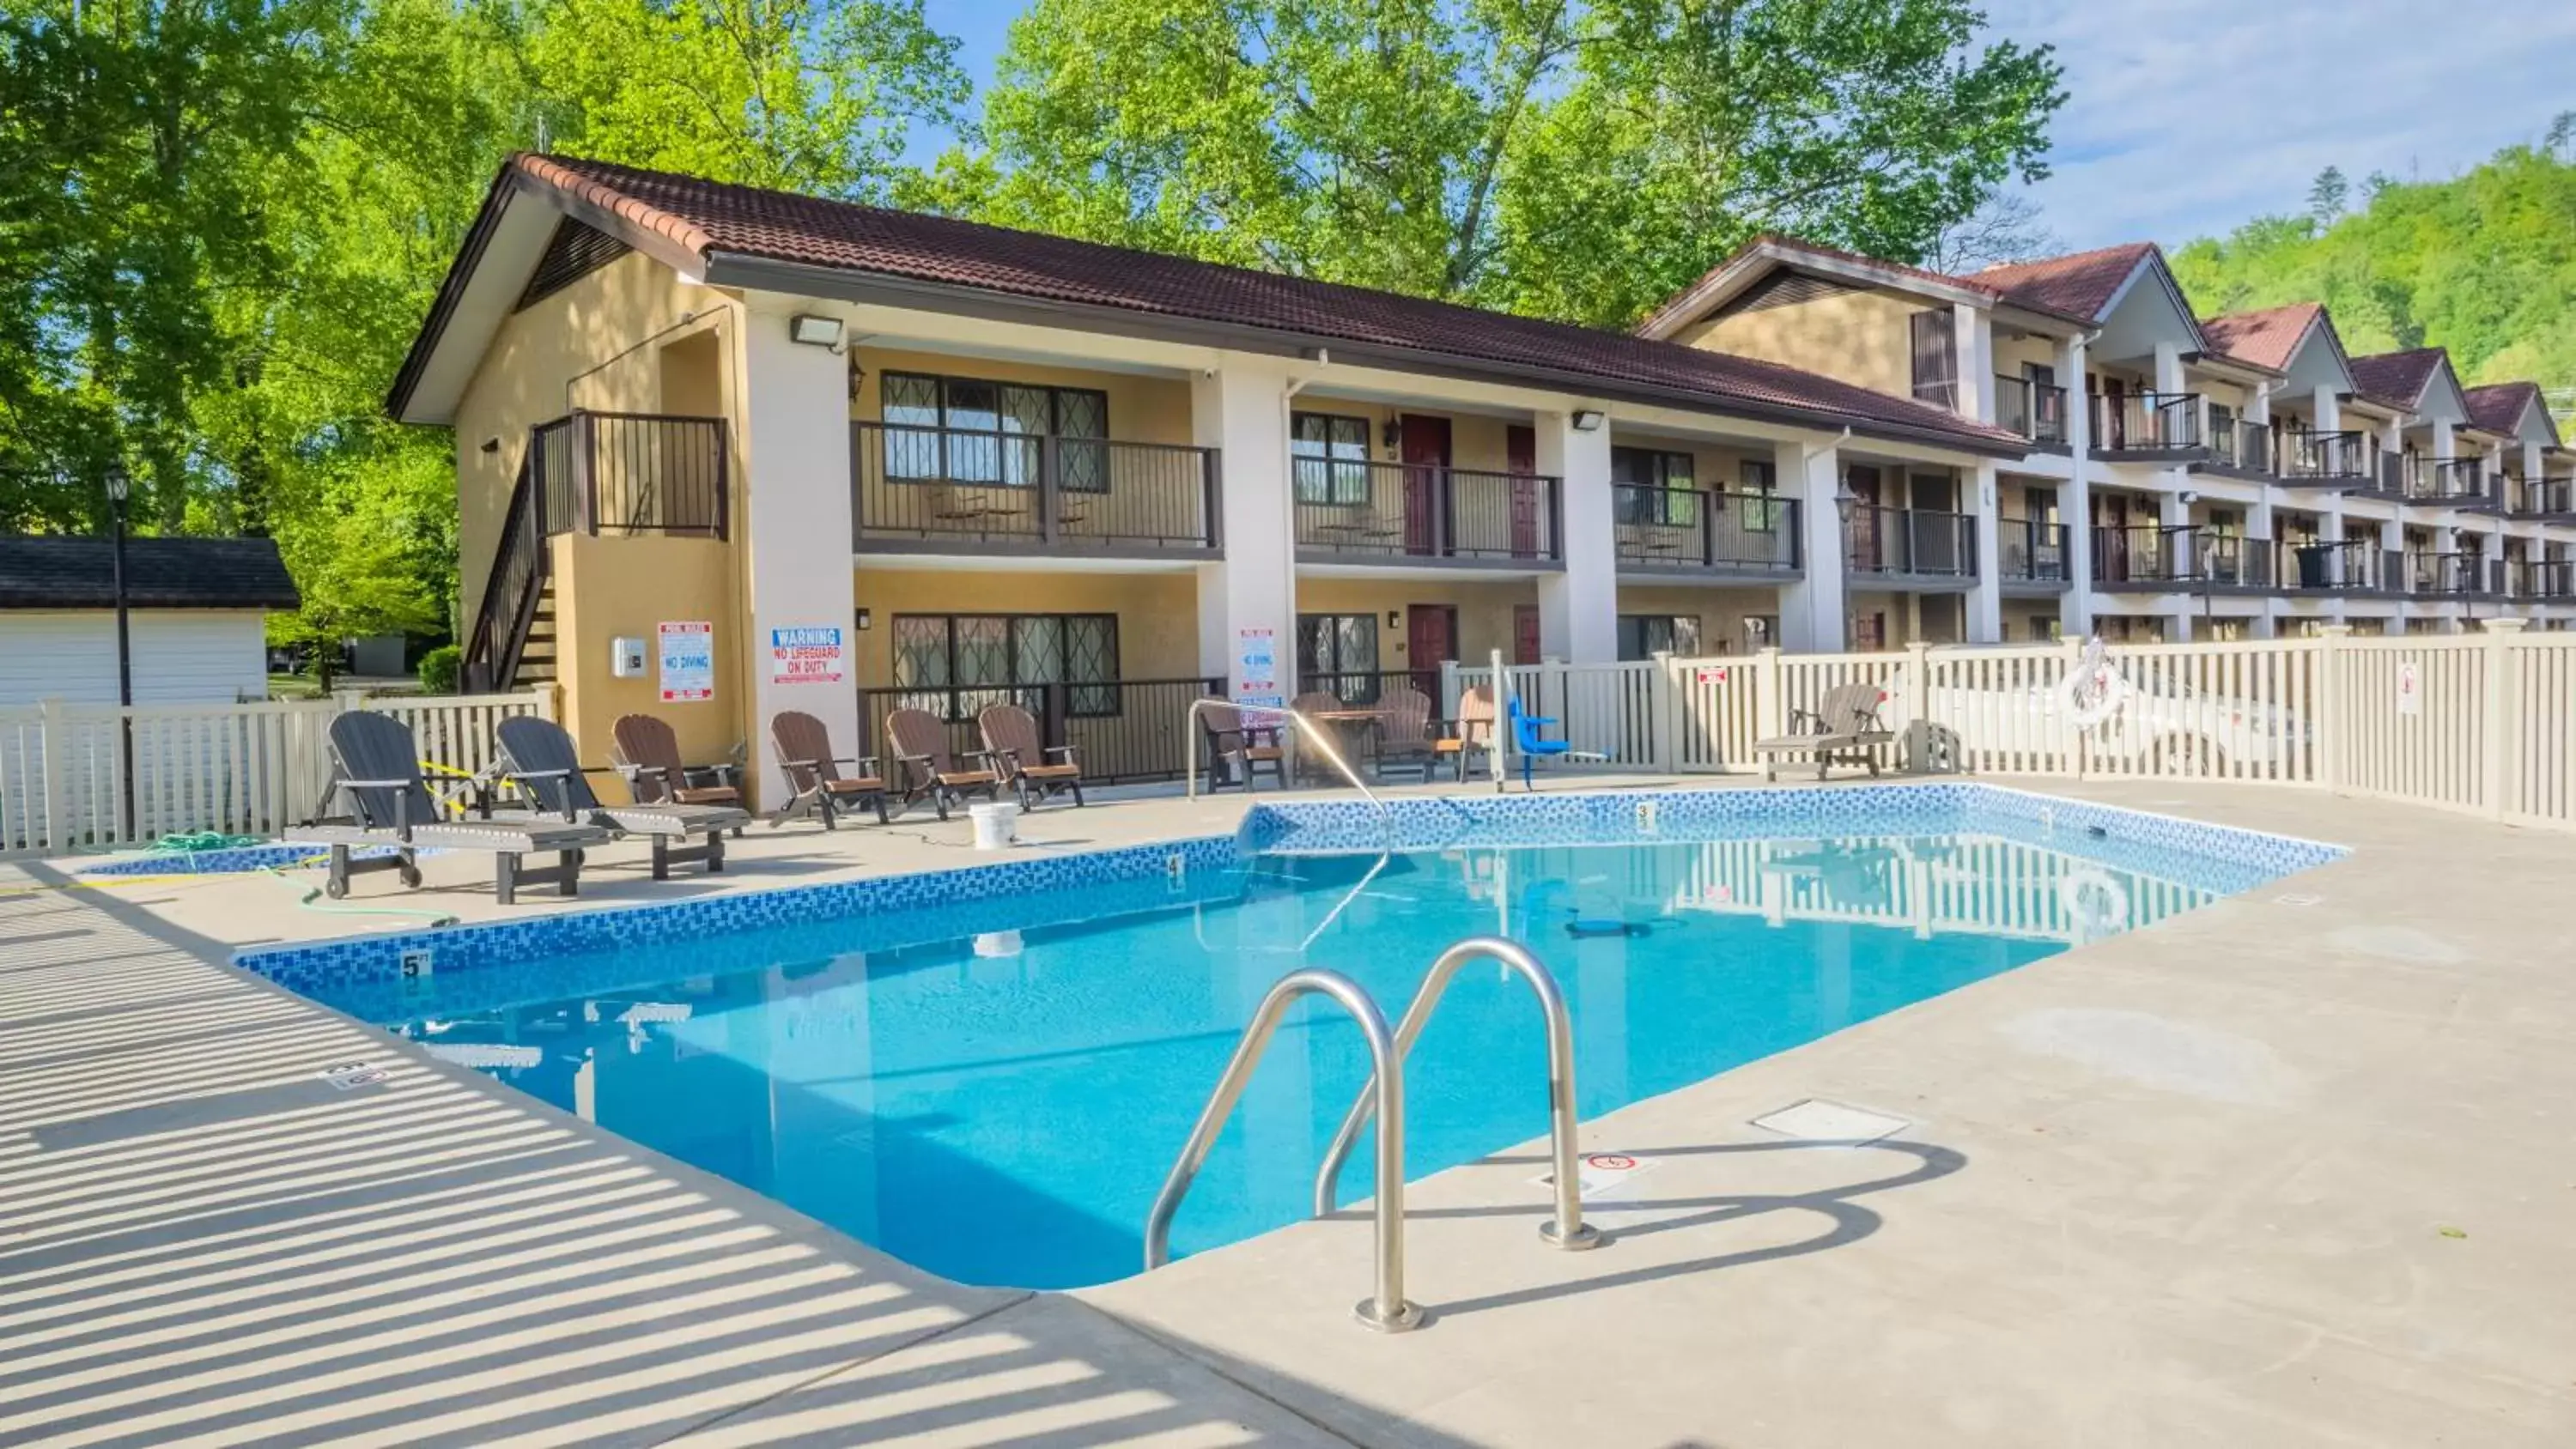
996, 826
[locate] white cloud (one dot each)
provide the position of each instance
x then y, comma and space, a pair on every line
2186, 117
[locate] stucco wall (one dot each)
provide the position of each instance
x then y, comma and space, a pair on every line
609, 588
591, 345
1859, 337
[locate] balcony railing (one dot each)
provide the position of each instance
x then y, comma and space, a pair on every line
2543, 499
2037, 411
2310, 457
2241, 443
2318, 566
2146, 422
1917, 542
2441, 574
2034, 552
1692, 530
628, 473
1408, 510
1030, 491
2140, 554
2455, 482
2527, 578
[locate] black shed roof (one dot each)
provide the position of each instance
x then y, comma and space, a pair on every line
56, 572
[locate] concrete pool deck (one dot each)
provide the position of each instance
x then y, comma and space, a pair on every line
2292, 1169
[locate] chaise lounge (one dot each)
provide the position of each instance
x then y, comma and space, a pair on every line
1843, 727
539, 758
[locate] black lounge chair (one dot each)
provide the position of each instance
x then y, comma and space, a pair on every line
376, 777
538, 757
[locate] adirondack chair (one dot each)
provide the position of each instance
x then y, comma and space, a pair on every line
647, 757
1471, 733
538, 757
376, 779
921, 752
1033, 770
1404, 739
1843, 726
816, 785
1245, 748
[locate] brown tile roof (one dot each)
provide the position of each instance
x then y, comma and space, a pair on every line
2498, 406
1780, 242
711, 218
2396, 377
2267, 339
2079, 284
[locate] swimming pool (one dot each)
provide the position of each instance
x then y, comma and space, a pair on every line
992, 1087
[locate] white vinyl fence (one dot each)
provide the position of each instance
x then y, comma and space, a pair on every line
2482, 722
243, 769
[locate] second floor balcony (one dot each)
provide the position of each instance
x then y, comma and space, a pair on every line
2544, 580
2035, 410
2338, 459
1695, 531
2446, 482
2551, 498
1402, 513
2033, 555
2240, 445
2352, 566
2450, 575
2146, 423
929, 490
1927, 546
2166, 557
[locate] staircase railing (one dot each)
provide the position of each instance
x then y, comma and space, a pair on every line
511, 592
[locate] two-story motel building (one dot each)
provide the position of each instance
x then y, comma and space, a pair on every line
897, 457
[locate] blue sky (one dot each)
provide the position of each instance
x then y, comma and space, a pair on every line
2189, 116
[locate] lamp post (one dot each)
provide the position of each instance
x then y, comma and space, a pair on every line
118, 486
1844, 501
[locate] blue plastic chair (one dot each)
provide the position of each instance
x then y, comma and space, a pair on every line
1526, 741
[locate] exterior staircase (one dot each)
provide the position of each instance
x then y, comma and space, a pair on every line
537, 651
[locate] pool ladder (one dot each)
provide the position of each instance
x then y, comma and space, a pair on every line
1387, 1310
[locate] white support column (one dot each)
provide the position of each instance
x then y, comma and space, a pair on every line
1811, 610
1578, 610
798, 564
2075, 509
1240, 406
2175, 514
2170, 379
2328, 408
1974, 329
1986, 604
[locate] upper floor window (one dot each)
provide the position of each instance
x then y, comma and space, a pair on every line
970, 430
1936, 358
1328, 454
1762, 510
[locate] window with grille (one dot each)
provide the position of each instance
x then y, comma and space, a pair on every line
1936, 358
956, 664
1328, 453
968, 430
1643, 636
1338, 652
1658, 489
1763, 511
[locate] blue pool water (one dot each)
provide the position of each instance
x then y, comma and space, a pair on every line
999, 1105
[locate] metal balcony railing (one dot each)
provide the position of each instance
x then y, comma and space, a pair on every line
2037, 411
2033, 551
2146, 422
2313, 457
1910, 541
1690, 530
1398, 510
1033, 490
2241, 443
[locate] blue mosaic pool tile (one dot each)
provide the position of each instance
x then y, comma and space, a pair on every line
229, 861
339, 964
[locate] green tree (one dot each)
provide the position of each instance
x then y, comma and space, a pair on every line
1564, 159
2326, 196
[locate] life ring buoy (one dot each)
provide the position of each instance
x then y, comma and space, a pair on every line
2094, 690
2094, 901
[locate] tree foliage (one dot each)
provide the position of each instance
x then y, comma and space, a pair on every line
2483, 265
1572, 160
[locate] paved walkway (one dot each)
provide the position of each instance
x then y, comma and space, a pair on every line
2292, 1170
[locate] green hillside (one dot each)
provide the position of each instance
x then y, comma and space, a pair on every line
2483, 264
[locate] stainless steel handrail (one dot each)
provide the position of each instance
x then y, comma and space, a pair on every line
1190, 760
1567, 1229
1387, 1311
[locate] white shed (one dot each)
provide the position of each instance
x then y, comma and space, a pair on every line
196, 610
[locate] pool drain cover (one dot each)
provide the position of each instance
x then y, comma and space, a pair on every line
1817, 1120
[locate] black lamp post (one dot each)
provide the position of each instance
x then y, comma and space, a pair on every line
1844, 500
118, 486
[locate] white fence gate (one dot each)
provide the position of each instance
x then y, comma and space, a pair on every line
243, 769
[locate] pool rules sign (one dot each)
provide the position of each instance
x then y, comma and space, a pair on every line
688, 661
805, 656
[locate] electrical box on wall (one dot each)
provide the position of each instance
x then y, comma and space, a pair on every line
626, 658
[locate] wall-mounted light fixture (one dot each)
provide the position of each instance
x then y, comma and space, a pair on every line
1393, 432
1394, 620
1587, 420
813, 329
491, 445
865, 621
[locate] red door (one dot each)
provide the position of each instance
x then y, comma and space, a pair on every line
1430, 640
1528, 497
1426, 478
1525, 633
